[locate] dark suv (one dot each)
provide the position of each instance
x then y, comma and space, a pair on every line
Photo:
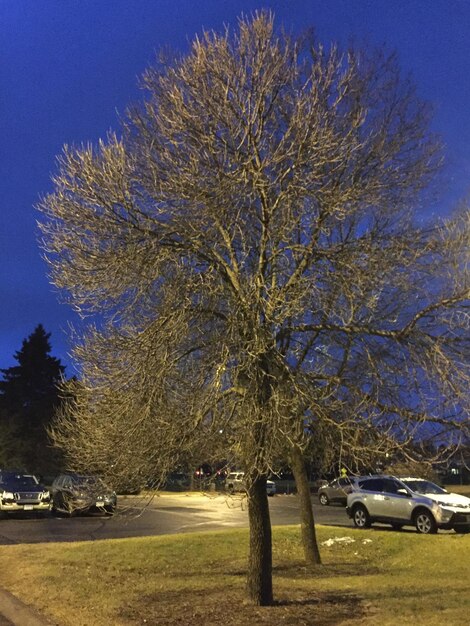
22, 492
76, 493
407, 502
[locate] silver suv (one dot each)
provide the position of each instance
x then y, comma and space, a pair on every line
336, 491
407, 502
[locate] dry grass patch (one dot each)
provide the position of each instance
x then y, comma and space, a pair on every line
368, 577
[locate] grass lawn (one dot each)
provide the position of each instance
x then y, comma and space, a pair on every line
464, 490
368, 577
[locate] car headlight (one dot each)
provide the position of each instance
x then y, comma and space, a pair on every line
7, 495
45, 495
443, 511
446, 505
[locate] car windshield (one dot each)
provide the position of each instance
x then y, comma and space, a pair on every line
86, 481
18, 481
423, 486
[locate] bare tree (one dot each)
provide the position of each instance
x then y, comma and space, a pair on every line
249, 253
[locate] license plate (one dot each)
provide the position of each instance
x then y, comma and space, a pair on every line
100, 504
28, 507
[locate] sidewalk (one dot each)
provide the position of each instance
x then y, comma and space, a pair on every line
13, 612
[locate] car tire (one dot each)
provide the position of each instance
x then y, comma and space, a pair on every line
55, 510
425, 523
323, 498
361, 517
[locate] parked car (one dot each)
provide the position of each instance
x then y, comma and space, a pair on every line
235, 482
407, 502
76, 493
22, 492
176, 481
336, 491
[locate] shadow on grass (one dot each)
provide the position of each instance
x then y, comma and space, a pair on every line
322, 597
416, 593
328, 570
229, 606
299, 570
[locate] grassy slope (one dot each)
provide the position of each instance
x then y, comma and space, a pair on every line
462, 489
382, 577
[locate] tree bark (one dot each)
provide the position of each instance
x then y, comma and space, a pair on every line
307, 522
259, 582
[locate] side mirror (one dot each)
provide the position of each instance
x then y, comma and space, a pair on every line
403, 492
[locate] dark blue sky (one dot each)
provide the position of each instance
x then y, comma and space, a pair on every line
68, 67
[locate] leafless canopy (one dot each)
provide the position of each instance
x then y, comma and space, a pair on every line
250, 253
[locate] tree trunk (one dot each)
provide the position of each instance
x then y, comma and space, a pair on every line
307, 522
259, 582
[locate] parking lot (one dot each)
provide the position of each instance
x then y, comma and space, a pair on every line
165, 514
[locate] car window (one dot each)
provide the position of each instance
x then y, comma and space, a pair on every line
391, 486
85, 481
20, 481
334, 484
373, 484
424, 486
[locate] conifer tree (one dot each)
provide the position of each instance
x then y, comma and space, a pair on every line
28, 399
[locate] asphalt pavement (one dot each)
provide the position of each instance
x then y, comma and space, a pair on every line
168, 514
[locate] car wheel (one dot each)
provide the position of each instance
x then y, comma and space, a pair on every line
55, 510
361, 517
462, 530
425, 523
323, 499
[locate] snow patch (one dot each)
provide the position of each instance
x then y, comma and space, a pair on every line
341, 540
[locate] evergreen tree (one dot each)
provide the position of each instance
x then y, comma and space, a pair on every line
28, 399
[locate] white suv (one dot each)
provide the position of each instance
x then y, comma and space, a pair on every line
235, 481
407, 502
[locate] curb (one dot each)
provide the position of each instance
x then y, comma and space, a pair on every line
19, 613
